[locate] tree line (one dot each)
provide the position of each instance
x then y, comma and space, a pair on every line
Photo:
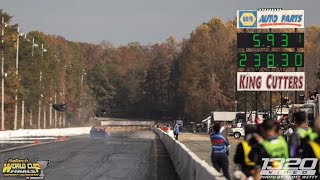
186, 79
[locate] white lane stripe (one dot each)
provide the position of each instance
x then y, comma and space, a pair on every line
25, 146
15, 142
31, 138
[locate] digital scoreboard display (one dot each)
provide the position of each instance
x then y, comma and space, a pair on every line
270, 59
270, 40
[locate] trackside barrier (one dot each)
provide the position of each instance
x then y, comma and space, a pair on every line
44, 132
126, 123
188, 165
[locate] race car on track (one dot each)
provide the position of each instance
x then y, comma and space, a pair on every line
98, 132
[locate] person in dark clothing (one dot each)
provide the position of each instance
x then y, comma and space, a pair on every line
176, 131
241, 157
270, 145
300, 136
219, 155
312, 148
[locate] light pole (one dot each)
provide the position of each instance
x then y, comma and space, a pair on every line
81, 90
236, 106
60, 114
55, 97
55, 112
82, 77
64, 92
41, 95
64, 113
64, 95
16, 92
33, 45
50, 112
3, 25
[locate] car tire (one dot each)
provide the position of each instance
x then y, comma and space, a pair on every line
237, 135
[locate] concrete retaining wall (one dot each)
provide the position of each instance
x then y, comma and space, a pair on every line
127, 123
188, 165
44, 132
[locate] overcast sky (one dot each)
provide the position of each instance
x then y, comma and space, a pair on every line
145, 21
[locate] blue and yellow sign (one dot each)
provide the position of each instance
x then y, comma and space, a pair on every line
24, 168
270, 18
247, 19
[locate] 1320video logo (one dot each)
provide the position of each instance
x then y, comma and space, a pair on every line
290, 168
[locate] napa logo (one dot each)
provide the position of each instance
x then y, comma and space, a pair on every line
247, 19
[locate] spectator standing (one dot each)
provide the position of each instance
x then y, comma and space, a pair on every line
270, 145
176, 131
257, 120
241, 157
300, 136
219, 155
224, 130
312, 148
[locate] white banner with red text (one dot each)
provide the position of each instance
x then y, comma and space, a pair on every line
270, 81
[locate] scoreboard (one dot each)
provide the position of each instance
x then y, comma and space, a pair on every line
258, 59
270, 59
266, 42
273, 40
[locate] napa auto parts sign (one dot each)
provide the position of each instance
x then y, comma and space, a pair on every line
265, 19
270, 81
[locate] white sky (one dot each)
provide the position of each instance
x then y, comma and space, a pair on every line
145, 21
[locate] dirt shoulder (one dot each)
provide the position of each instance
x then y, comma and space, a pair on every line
201, 146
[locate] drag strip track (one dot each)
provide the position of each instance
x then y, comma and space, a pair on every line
123, 155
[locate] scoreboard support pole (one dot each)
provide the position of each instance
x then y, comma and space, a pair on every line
256, 94
245, 101
245, 92
281, 69
256, 103
281, 102
270, 92
295, 70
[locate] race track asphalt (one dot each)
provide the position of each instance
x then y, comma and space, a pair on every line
124, 155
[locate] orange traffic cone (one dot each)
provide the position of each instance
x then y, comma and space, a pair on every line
36, 141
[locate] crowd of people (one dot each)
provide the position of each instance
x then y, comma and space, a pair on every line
265, 141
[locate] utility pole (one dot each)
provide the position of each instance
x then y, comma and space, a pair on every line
2, 74
41, 95
44, 118
16, 92
81, 91
22, 115
39, 111
30, 118
60, 120
55, 112
41, 91
64, 113
64, 95
50, 112
32, 53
